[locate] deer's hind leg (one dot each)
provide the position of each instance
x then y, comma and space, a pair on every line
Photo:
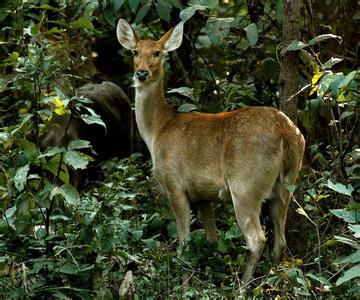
247, 210
207, 214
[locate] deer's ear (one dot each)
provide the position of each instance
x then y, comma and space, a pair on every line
173, 38
126, 35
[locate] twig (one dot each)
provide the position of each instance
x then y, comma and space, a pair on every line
302, 211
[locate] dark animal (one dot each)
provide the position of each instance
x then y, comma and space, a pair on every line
112, 104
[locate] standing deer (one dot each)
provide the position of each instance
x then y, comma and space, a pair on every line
248, 154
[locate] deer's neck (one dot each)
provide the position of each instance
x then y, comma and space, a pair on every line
151, 111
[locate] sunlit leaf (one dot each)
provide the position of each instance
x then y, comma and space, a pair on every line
21, 177
295, 45
322, 38
340, 188
78, 144
349, 216
82, 23
252, 34
185, 91
352, 258
313, 89
188, 12
75, 160
316, 77
187, 107
349, 274
68, 192
331, 62
348, 78
355, 228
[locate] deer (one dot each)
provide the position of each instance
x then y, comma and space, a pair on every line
246, 155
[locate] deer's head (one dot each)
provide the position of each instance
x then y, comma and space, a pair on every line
148, 54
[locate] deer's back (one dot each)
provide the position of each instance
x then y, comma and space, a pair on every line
196, 150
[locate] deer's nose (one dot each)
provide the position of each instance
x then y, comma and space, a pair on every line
142, 74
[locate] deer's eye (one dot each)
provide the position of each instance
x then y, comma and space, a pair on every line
157, 53
135, 53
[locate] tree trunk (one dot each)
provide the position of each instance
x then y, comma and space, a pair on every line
288, 87
288, 79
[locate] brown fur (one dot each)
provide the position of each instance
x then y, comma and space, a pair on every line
249, 154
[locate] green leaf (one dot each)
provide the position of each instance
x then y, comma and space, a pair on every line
82, 23
355, 229
322, 38
10, 213
349, 274
21, 177
68, 192
185, 91
187, 107
79, 144
93, 118
117, 4
319, 278
137, 234
75, 160
349, 216
142, 12
52, 152
331, 62
163, 8
352, 258
24, 118
252, 34
340, 188
69, 268
134, 5
348, 78
295, 45
347, 241
188, 12
54, 167
177, 4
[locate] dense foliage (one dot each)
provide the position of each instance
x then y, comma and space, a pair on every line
117, 236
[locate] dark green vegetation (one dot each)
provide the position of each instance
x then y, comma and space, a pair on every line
117, 236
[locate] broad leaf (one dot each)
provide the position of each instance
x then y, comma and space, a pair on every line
340, 188
163, 8
52, 152
319, 278
79, 144
331, 62
252, 34
187, 107
355, 228
295, 45
185, 91
68, 192
322, 38
352, 258
134, 5
188, 12
82, 23
348, 78
142, 12
75, 160
349, 274
21, 177
349, 216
